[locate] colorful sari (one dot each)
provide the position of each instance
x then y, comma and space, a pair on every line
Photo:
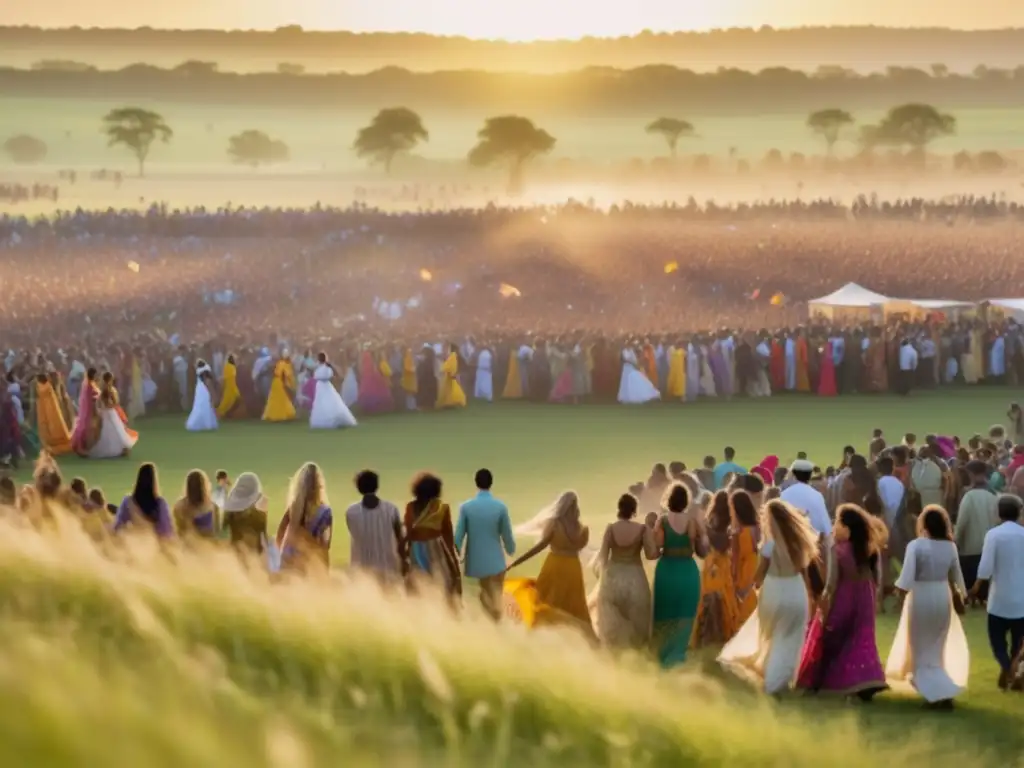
87, 425
744, 564
840, 653
52, 430
232, 405
450, 393
374, 389
432, 551
718, 611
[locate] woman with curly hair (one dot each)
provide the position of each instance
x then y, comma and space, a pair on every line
718, 611
840, 654
430, 536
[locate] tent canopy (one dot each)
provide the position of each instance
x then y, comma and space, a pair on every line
851, 295
940, 304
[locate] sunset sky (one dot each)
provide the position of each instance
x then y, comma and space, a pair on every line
519, 20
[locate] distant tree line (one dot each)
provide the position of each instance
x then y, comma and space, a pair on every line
802, 47
593, 91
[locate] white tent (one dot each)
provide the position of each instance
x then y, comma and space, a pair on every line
851, 301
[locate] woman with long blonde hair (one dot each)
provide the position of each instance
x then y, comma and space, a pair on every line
767, 648
195, 514
304, 535
557, 596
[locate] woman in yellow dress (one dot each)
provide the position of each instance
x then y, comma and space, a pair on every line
282, 391
54, 435
746, 537
557, 596
232, 406
450, 395
718, 611
676, 384
409, 384
513, 381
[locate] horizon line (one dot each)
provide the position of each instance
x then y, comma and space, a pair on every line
300, 29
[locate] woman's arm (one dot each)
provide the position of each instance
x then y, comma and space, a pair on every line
539, 547
651, 551
762, 571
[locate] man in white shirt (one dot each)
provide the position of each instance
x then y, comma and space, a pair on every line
1002, 564
800, 495
908, 367
890, 489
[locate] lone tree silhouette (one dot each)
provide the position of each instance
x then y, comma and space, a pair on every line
255, 148
392, 132
671, 130
136, 129
827, 123
25, 149
911, 125
511, 140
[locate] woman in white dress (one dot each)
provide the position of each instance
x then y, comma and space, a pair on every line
930, 649
767, 647
483, 387
634, 386
114, 439
203, 417
329, 409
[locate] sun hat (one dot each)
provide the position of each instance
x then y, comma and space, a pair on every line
245, 493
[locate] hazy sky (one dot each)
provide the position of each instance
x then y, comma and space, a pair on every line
518, 19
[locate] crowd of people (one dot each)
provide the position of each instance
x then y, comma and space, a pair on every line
781, 570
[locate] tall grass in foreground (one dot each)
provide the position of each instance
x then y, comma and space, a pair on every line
199, 662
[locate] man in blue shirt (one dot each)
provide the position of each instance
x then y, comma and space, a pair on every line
484, 520
726, 467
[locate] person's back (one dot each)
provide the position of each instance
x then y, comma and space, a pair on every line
978, 514
247, 529
484, 521
374, 546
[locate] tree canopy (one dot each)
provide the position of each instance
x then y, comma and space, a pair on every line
913, 125
671, 129
136, 129
511, 140
25, 150
828, 123
392, 131
255, 148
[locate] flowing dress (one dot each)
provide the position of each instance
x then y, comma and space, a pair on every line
232, 406
450, 394
744, 563
282, 389
87, 425
840, 654
310, 549
557, 597
513, 381
623, 601
827, 376
374, 388
675, 385
52, 430
203, 417
114, 439
676, 597
766, 650
483, 387
634, 387
930, 648
718, 611
329, 410
432, 553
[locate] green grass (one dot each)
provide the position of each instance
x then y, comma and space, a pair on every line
205, 665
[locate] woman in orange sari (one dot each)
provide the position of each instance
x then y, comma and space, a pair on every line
54, 434
803, 377
718, 610
746, 538
430, 537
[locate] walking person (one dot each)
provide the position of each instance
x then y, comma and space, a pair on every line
375, 529
484, 526
908, 360
1002, 569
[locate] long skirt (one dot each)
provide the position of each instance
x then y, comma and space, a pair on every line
623, 606
557, 597
676, 599
766, 650
930, 650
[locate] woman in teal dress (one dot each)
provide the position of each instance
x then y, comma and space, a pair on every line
679, 534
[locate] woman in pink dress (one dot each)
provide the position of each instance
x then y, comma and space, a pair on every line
87, 425
374, 389
827, 376
840, 655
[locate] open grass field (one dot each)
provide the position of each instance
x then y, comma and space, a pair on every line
322, 138
201, 666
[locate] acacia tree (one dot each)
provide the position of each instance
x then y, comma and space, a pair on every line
513, 141
392, 132
671, 129
911, 125
827, 123
136, 129
25, 149
255, 148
